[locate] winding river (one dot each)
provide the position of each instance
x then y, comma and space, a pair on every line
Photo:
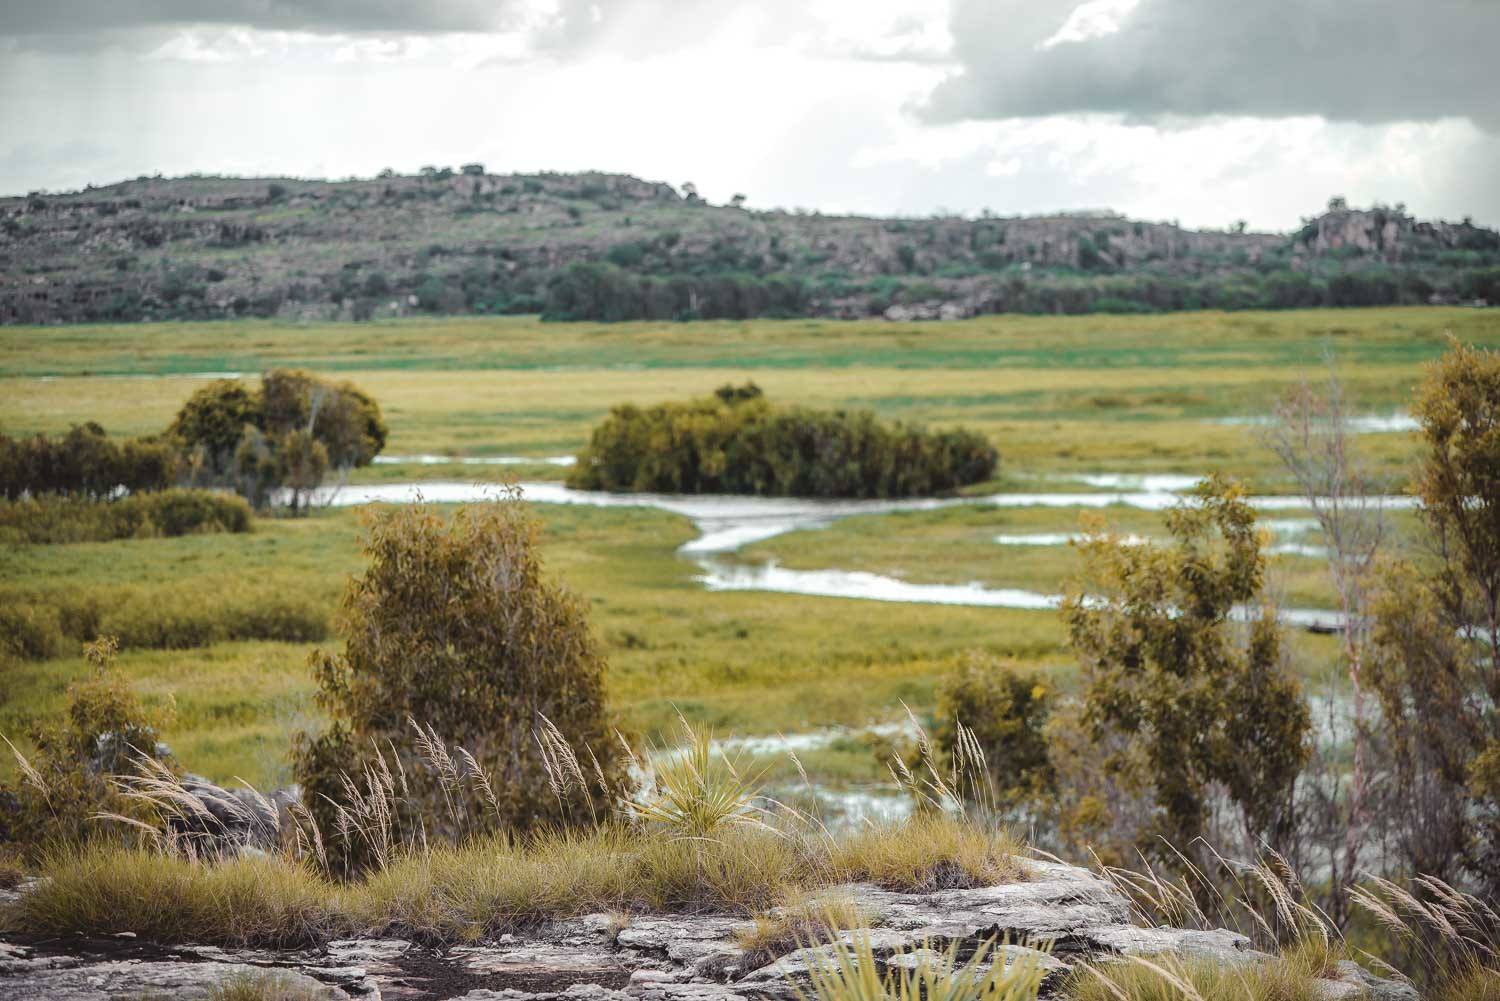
726, 524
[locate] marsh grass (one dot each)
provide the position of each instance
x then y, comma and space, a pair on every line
41, 624
161, 898
928, 852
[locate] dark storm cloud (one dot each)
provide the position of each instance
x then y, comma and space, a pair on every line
1347, 60
23, 18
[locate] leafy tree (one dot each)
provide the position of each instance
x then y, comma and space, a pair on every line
455, 626
291, 431
302, 461
213, 421
1168, 665
1437, 632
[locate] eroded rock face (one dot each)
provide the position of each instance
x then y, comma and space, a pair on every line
653, 957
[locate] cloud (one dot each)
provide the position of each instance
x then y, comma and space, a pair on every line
1367, 61
85, 17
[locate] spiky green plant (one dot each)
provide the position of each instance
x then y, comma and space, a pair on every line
849, 972
699, 790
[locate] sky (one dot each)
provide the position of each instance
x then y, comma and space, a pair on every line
1200, 111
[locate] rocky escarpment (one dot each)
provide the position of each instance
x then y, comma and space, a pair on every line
603, 957
470, 242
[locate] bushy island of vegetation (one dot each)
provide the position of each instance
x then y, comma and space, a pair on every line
737, 442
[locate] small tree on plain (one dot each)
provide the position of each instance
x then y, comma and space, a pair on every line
1167, 664
455, 627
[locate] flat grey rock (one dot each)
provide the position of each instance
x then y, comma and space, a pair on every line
1060, 916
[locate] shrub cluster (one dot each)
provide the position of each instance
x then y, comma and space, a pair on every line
84, 462
52, 519
40, 626
68, 779
736, 442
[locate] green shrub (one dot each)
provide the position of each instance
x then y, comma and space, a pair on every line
53, 519
1166, 665
69, 778
454, 626
736, 442
29, 632
1005, 713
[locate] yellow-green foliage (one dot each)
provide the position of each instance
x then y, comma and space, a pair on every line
1474, 984
1433, 626
70, 777
735, 442
1004, 710
36, 625
454, 624
102, 890
486, 887
1153, 628
696, 791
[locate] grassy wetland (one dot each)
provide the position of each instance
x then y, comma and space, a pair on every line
1062, 399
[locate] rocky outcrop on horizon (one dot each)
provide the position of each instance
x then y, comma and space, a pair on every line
471, 242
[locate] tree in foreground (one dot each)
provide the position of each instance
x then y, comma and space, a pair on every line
1182, 655
1436, 668
455, 630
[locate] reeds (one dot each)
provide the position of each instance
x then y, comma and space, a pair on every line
699, 836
